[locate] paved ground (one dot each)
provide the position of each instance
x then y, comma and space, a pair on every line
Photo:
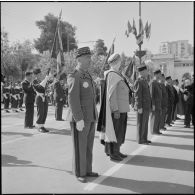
41, 163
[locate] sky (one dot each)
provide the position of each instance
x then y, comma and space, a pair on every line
170, 21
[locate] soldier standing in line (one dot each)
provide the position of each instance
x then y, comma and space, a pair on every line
29, 98
142, 105
14, 98
82, 115
170, 93
21, 96
41, 100
164, 103
156, 94
59, 97
176, 100
6, 96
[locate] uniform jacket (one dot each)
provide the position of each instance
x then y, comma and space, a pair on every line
170, 94
156, 94
29, 93
40, 89
142, 94
81, 97
58, 91
164, 102
120, 98
6, 91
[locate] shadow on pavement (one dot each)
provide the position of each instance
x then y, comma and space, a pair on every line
147, 186
166, 163
178, 146
179, 131
180, 136
12, 161
59, 131
17, 133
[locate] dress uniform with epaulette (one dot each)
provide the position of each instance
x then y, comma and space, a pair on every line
29, 99
41, 100
142, 105
59, 98
156, 94
82, 115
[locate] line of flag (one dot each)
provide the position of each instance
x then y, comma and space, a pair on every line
139, 36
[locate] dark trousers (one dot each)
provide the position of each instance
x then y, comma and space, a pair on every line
29, 115
42, 108
188, 114
120, 126
142, 126
58, 110
155, 121
82, 148
14, 103
173, 112
169, 114
6, 103
163, 118
21, 101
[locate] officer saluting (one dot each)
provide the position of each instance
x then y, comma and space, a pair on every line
41, 101
59, 97
142, 105
29, 98
82, 115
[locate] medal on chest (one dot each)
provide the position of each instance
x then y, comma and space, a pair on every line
85, 84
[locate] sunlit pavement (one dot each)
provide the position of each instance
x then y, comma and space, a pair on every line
34, 162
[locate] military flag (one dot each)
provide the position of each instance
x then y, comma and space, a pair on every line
140, 37
129, 27
134, 31
57, 48
126, 33
148, 30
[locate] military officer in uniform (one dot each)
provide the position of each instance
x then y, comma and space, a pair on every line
29, 98
41, 100
156, 94
14, 98
6, 97
59, 97
170, 93
142, 105
21, 94
164, 103
82, 115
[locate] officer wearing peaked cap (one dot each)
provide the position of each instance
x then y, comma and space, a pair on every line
156, 94
82, 115
142, 105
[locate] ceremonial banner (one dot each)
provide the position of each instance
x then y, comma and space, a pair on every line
57, 48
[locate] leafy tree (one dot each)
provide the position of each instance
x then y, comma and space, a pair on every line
100, 48
48, 28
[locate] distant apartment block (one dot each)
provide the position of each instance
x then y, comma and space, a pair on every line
179, 49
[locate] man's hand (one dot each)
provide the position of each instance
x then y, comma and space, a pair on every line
153, 107
116, 114
61, 99
80, 125
140, 111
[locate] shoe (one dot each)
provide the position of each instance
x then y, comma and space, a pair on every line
92, 174
29, 127
169, 125
82, 179
41, 130
149, 141
122, 155
7, 111
45, 129
159, 133
164, 128
144, 143
59, 119
187, 126
115, 157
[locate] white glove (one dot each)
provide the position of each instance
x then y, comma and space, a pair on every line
80, 125
43, 83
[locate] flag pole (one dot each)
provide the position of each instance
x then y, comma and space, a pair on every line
140, 29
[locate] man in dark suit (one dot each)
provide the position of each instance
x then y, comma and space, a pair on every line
59, 97
29, 98
142, 105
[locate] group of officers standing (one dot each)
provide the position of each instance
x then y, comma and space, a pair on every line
155, 103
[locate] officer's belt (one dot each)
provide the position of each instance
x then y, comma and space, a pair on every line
42, 95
